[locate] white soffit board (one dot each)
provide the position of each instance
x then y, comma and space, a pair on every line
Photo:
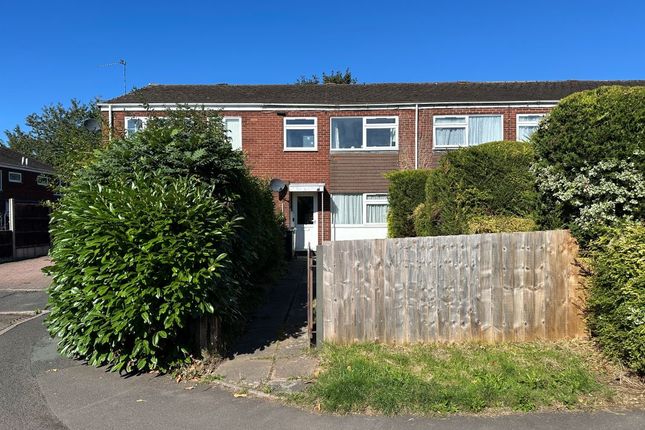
306, 188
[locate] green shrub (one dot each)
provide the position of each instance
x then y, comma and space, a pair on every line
591, 161
500, 224
161, 228
133, 261
492, 179
194, 143
406, 192
616, 303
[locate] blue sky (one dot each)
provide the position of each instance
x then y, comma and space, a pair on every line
51, 51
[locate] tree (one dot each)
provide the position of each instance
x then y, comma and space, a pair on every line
56, 136
334, 77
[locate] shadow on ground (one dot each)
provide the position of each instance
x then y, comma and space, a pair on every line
282, 316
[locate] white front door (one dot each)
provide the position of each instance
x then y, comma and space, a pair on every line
304, 218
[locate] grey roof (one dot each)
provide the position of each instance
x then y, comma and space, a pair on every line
11, 158
394, 93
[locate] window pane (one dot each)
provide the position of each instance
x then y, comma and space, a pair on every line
450, 120
234, 131
347, 208
305, 213
450, 136
483, 129
524, 132
134, 125
380, 120
347, 133
300, 121
381, 137
530, 118
376, 214
300, 138
369, 197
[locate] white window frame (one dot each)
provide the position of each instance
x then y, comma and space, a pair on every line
374, 202
364, 205
519, 123
466, 144
39, 180
287, 127
367, 126
239, 118
15, 181
144, 123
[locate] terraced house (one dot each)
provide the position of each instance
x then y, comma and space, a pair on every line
331, 144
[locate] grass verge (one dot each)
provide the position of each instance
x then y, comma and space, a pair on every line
470, 378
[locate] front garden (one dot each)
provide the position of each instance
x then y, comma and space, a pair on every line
160, 230
584, 170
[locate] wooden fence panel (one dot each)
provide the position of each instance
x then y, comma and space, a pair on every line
489, 287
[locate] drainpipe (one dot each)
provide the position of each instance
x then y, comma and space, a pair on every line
322, 214
110, 122
416, 136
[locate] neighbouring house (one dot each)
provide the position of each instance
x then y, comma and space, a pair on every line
24, 186
332, 143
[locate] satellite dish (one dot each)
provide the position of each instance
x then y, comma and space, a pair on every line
279, 186
91, 124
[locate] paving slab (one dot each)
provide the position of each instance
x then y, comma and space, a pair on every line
246, 371
25, 274
299, 367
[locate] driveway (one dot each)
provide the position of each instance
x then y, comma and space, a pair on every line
41, 390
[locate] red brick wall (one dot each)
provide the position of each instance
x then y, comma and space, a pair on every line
263, 141
428, 156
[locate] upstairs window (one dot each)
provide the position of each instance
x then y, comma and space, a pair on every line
234, 131
527, 125
15, 177
458, 131
42, 180
134, 124
371, 133
300, 134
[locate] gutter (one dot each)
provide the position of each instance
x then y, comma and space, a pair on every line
26, 169
305, 106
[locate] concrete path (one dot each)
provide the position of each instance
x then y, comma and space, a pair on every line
272, 354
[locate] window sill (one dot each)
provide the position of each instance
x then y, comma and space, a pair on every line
382, 149
300, 149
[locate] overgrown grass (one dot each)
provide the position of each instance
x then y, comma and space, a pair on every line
438, 379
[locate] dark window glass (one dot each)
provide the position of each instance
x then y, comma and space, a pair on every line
305, 210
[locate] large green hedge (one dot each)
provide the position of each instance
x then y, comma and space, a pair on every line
616, 304
134, 261
492, 179
162, 228
406, 192
591, 160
